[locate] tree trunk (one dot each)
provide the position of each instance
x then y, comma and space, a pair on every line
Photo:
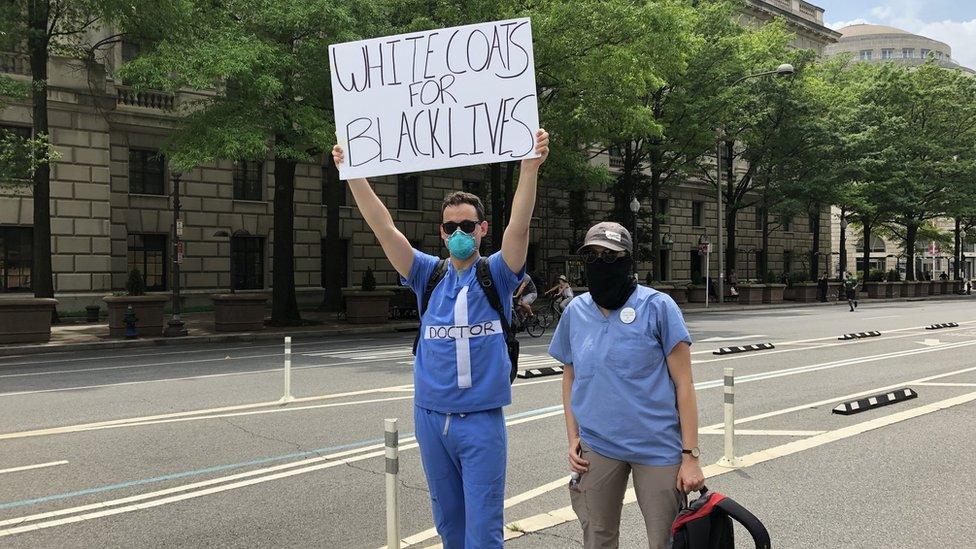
730, 219
866, 252
956, 264
42, 278
497, 206
815, 252
334, 188
284, 305
656, 228
509, 189
764, 264
911, 235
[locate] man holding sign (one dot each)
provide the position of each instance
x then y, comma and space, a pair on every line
390, 124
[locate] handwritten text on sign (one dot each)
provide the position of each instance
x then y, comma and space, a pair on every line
437, 99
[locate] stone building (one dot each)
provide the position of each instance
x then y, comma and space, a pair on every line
111, 205
880, 44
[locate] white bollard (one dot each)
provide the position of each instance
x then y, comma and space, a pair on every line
287, 397
392, 439
729, 459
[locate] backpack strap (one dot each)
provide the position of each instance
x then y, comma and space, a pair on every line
483, 274
435, 278
746, 519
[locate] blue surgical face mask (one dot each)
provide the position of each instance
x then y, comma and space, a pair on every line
461, 244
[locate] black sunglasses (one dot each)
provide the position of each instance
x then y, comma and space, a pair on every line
467, 226
607, 256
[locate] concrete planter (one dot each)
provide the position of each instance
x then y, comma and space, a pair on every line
239, 312
148, 309
893, 289
876, 290
671, 291
367, 307
803, 292
750, 294
958, 286
679, 294
696, 293
833, 291
921, 288
773, 293
907, 289
935, 287
26, 319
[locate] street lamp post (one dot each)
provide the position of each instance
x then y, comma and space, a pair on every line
783, 70
175, 326
843, 246
635, 207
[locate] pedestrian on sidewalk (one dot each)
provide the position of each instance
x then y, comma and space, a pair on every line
628, 396
850, 288
823, 287
462, 369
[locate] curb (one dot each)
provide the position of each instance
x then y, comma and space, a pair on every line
797, 304
221, 338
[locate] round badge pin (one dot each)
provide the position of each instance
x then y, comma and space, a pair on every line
628, 315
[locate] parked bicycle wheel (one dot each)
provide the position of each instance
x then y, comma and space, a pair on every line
534, 326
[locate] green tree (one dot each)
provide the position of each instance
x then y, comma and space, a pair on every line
274, 99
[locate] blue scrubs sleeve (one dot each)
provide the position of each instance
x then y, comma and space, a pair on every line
671, 326
561, 347
503, 276
423, 266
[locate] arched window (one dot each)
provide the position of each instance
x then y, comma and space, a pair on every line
877, 244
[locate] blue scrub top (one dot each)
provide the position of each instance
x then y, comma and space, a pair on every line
462, 362
623, 395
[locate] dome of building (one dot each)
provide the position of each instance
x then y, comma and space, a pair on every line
880, 43
864, 29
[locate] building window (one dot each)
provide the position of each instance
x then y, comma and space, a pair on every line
877, 244
662, 208
867, 55
786, 222
408, 192
925, 53
17, 166
16, 244
147, 252
697, 214
665, 259
248, 180
787, 262
341, 262
616, 157
812, 223
887, 53
938, 55
908, 53
697, 270
760, 214
473, 187
247, 262
146, 171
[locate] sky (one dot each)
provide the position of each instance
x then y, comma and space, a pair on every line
950, 21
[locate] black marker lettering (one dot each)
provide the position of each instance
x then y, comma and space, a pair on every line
525, 54
413, 62
487, 51
474, 126
427, 57
444, 87
433, 131
369, 68
450, 135
501, 127
437, 92
528, 130
447, 54
361, 135
405, 130
419, 151
410, 90
353, 85
379, 136
496, 46
393, 62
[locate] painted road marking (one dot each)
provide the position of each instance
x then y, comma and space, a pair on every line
947, 384
819, 403
563, 515
732, 338
762, 432
213, 486
32, 467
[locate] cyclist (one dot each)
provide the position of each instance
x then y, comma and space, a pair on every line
525, 295
562, 293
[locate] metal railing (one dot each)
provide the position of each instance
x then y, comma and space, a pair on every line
145, 99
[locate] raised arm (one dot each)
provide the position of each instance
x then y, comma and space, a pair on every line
396, 246
515, 244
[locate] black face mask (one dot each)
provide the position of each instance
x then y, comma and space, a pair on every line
611, 283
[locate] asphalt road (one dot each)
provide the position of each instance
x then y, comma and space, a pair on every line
187, 446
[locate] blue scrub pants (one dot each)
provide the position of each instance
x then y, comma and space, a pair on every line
464, 457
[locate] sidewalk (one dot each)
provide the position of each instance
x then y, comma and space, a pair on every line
74, 335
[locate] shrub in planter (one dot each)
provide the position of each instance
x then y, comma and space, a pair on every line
751, 294
875, 286
368, 305
148, 308
774, 293
239, 312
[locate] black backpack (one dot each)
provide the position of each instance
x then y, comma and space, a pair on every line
706, 523
483, 274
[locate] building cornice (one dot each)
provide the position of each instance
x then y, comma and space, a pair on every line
768, 10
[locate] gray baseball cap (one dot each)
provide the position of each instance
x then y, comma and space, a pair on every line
610, 235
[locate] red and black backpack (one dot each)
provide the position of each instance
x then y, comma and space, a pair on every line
706, 523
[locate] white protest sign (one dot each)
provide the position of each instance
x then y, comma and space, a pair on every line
435, 99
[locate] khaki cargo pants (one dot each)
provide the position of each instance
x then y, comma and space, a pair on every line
601, 494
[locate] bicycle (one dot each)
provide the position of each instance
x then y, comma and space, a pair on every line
531, 325
550, 313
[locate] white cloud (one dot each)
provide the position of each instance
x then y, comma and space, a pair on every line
904, 14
